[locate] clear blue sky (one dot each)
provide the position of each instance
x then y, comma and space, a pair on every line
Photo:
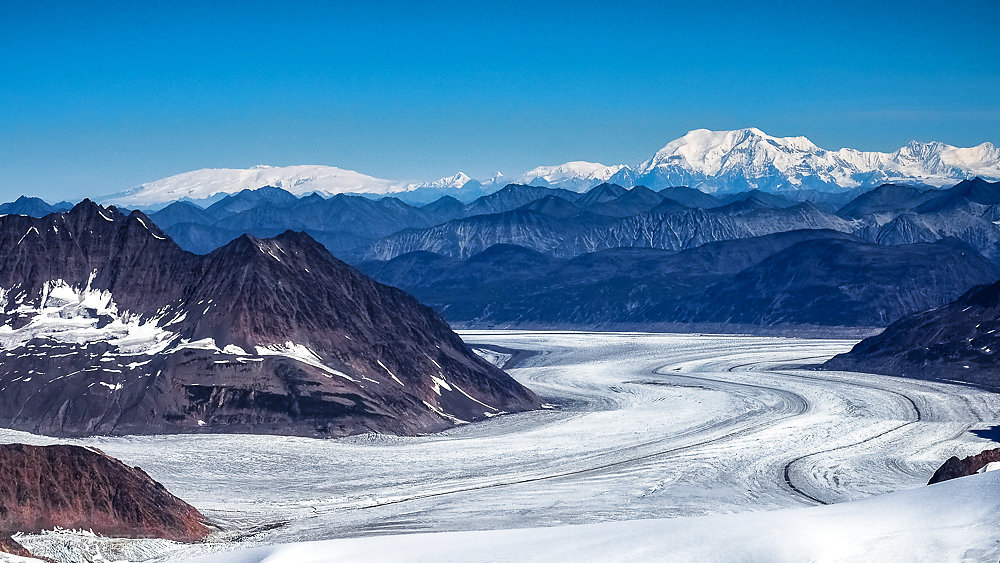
98, 98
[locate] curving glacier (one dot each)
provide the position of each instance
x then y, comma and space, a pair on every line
655, 443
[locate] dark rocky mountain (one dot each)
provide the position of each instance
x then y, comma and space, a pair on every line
800, 277
9, 545
763, 198
514, 196
907, 228
43, 487
462, 238
342, 222
846, 283
32, 206
359, 228
601, 193
956, 342
444, 209
968, 194
690, 197
114, 329
249, 199
956, 467
639, 199
564, 236
180, 212
553, 206
887, 198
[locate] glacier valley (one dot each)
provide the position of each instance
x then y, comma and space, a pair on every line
652, 444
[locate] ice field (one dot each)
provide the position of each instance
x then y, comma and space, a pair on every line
654, 427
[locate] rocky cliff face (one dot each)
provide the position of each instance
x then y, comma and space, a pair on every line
106, 326
42, 487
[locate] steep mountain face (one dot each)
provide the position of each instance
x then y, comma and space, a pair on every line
444, 209
669, 229
464, 237
958, 341
43, 487
110, 328
801, 277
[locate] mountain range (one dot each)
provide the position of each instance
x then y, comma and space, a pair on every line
108, 327
635, 256
815, 277
711, 161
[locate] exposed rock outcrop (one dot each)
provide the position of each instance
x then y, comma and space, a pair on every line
955, 467
9, 545
958, 341
42, 487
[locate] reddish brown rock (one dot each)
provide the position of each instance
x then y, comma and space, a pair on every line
8, 545
955, 467
71, 487
263, 336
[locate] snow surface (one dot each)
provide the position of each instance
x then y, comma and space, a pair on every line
703, 446
945, 522
576, 175
74, 315
758, 157
299, 180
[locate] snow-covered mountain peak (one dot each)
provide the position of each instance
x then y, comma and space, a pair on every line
711, 161
751, 159
708, 152
578, 174
456, 181
209, 182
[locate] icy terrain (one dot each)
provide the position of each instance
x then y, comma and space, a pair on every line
647, 427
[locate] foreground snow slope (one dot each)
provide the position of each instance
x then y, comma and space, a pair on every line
951, 521
646, 427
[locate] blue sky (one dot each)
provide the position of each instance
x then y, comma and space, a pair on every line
96, 99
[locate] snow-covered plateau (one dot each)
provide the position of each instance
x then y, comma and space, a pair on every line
657, 446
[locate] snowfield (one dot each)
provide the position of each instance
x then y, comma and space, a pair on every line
659, 446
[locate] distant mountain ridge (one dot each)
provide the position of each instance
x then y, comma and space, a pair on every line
711, 161
928, 244
805, 277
